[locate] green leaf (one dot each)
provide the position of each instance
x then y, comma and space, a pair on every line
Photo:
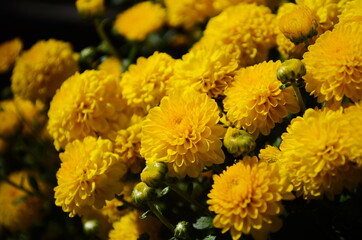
34, 184
203, 223
209, 237
164, 191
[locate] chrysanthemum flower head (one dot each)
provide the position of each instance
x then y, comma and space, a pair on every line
299, 24
87, 104
131, 227
9, 51
334, 65
255, 102
144, 84
246, 198
88, 176
249, 27
208, 69
316, 152
140, 20
111, 65
188, 136
270, 154
90, 8
187, 13
19, 210
30, 114
351, 12
40, 71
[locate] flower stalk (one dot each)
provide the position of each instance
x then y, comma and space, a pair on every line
160, 216
99, 26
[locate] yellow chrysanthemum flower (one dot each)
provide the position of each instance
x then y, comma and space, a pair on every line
208, 69
30, 114
19, 210
131, 227
90, 8
316, 152
334, 65
140, 20
246, 198
10, 123
9, 51
270, 154
88, 176
354, 115
188, 136
249, 27
87, 104
40, 71
326, 11
352, 12
255, 102
112, 66
127, 146
187, 13
144, 82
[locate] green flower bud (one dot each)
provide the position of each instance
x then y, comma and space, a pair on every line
238, 142
142, 193
154, 174
181, 230
91, 227
291, 70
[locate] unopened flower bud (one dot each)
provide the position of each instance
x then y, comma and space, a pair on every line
89, 9
142, 193
91, 226
291, 70
154, 173
181, 230
238, 142
299, 25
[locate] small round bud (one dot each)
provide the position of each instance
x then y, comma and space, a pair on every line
238, 142
142, 193
291, 70
181, 230
87, 55
89, 9
299, 25
91, 226
154, 173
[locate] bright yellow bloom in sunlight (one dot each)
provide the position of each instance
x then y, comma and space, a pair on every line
90, 8
187, 13
249, 27
140, 20
9, 51
112, 66
316, 152
144, 84
208, 69
131, 227
255, 102
40, 71
183, 132
246, 198
89, 175
299, 24
87, 104
270, 154
220, 5
334, 65
352, 12
19, 210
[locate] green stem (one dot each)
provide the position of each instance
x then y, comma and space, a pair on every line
160, 216
100, 30
188, 198
131, 56
299, 97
